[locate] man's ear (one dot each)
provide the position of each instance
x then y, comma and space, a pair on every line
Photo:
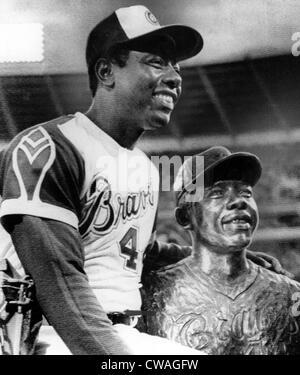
104, 72
183, 217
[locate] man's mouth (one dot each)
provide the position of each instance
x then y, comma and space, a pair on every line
165, 100
239, 222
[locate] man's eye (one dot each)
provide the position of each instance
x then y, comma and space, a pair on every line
216, 193
246, 193
157, 62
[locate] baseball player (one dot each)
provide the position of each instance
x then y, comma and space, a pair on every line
216, 300
80, 200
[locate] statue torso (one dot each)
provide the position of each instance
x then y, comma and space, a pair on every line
256, 316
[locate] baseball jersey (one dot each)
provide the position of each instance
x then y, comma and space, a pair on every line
258, 314
71, 171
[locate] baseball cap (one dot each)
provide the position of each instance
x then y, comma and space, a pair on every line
217, 163
137, 25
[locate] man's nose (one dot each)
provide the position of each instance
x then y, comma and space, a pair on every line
172, 78
237, 203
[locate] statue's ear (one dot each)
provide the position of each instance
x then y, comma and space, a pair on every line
104, 72
183, 217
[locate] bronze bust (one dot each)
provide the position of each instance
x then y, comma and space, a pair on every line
216, 300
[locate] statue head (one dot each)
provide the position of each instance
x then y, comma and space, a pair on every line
215, 199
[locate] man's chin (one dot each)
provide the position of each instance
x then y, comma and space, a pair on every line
240, 241
158, 121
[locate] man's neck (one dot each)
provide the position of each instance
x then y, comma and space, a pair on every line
222, 267
108, 120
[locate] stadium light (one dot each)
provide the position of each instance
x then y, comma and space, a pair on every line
21, 43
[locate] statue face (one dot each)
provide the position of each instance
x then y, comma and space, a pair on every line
226, 218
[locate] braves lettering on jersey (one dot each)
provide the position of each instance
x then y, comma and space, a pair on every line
70, 170
259, 314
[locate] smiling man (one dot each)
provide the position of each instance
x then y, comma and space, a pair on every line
80, 218
217, 300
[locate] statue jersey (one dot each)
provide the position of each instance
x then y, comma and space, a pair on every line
259, 314
71, 171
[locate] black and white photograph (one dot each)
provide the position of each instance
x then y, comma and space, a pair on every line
149, 180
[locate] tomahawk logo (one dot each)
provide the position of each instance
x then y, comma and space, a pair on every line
32, 158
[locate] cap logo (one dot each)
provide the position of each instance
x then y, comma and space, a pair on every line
151, 18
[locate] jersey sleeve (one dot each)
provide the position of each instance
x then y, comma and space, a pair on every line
62, 287
42, 174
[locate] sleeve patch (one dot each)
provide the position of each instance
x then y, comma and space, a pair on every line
32, 158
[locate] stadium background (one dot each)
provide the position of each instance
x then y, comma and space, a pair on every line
242, 92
